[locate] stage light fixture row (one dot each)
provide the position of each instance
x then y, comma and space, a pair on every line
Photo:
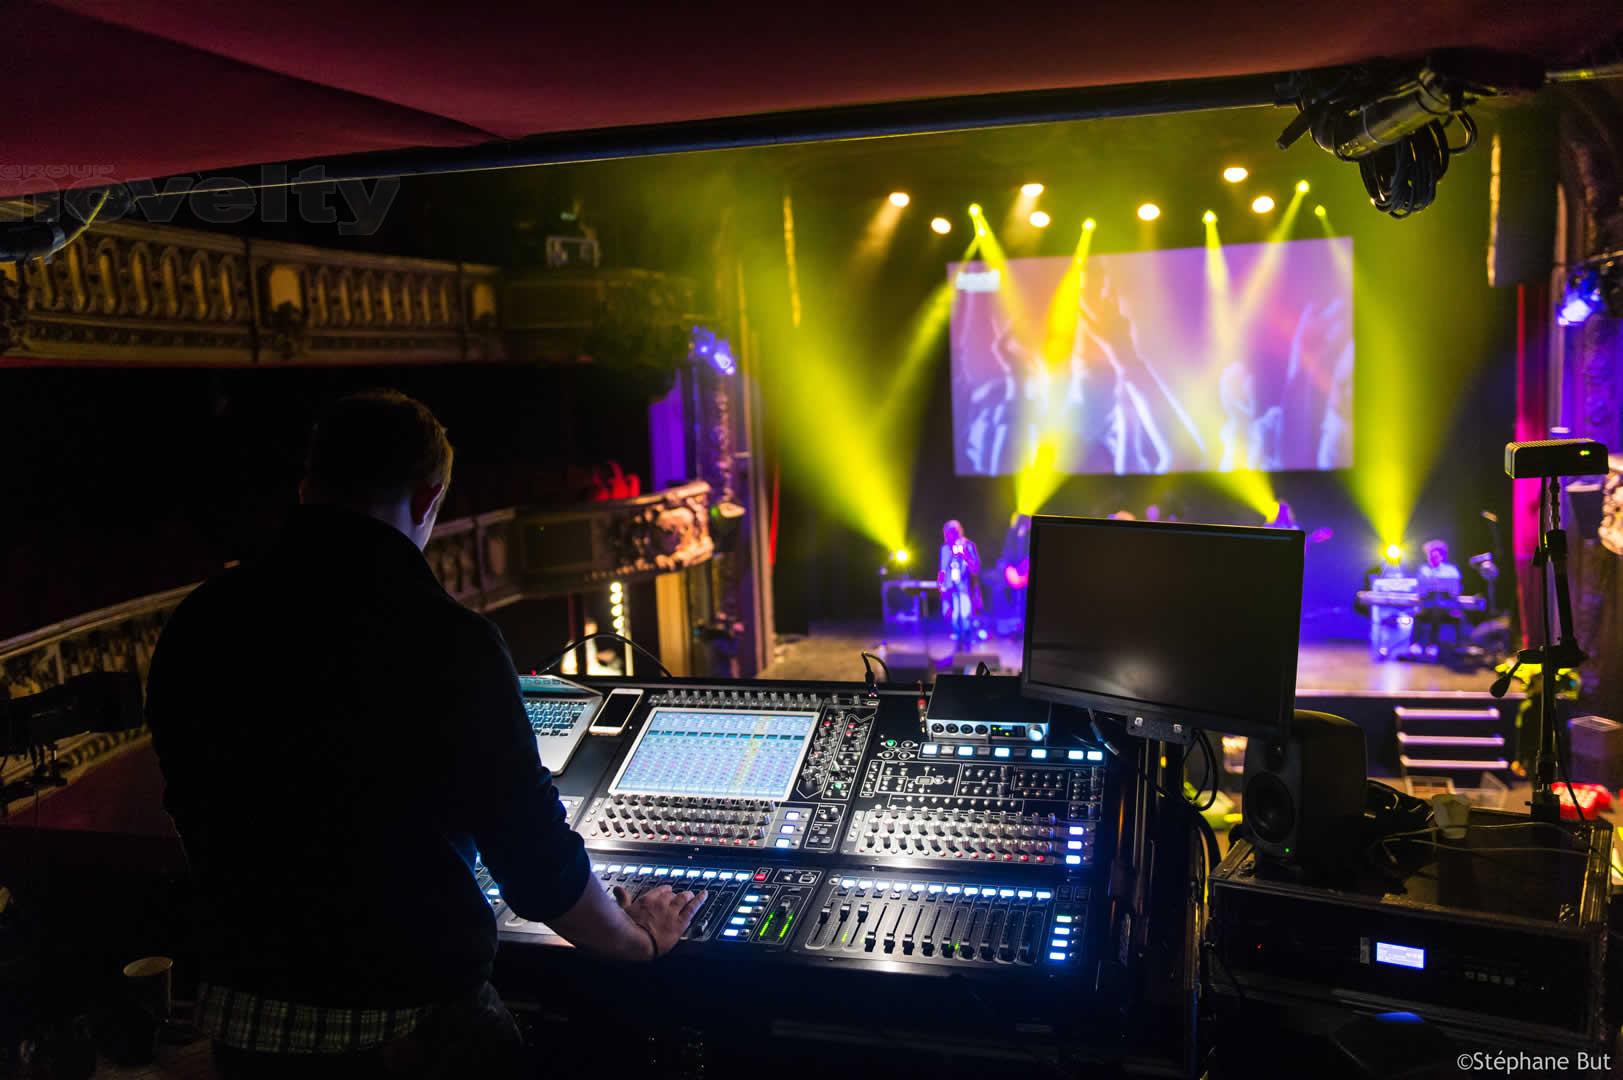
900, 199
1032, 190
1235, 173
1209, 217
940, 226
1319, 210
1302, 187
1262, 204
1148, 212
1040, 219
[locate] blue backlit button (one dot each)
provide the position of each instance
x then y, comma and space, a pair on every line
1005, 893
970, 890
597, 868
1039, 753
966, 751
753, 897
1078, 830
865, 883
791, 815
1060, 918
729, 933
1035, 733
848, 883
493, 891
1096, 755
662, 871
954, 890
786, 829
1044, 894
645, 870
709, 874
881, 885
1073, 860
929, 749
615, 868
693, 873
1073, 845
746, 909
726, 875
1075, 755
917, 886
1062, 931
1002, 751
738, 920
1056, 956
784, 842
935, 887
1024, 894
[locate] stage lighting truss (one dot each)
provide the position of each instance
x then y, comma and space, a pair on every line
1594, 286
1394, 119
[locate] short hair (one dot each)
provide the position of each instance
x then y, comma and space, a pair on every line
1434, 545
375, 447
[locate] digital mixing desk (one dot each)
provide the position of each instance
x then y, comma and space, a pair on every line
837, 839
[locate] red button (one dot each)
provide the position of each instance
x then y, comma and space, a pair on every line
760, 875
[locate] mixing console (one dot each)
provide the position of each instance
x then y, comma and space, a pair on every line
870, 842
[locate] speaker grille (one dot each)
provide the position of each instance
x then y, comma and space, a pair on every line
1268, 808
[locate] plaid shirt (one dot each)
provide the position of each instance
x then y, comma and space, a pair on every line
251, 1022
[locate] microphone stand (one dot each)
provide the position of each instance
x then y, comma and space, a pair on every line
1552, 655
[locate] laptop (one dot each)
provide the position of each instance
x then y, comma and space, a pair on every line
560, 713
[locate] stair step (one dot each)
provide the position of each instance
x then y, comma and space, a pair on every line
1407, 739
1495, 765
1405, 712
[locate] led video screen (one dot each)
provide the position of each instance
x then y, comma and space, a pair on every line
1185, 360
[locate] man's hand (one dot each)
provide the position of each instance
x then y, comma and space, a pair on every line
662, 912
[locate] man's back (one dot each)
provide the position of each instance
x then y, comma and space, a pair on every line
336, 735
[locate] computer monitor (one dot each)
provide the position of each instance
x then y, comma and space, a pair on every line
1174, 623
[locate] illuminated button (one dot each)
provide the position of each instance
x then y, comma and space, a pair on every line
738, 920
1073, 860
709, 874
1073, 845
1096, 755
786, 829
865, 883
1057, 918
1005, 893
729, 933
597, 868
662, 871
755, 898
1024, 894
785, 843
493, 891
1062, 931
966, 751
917, 886
693, 873
1079, 830
848, 883
791, 815
1044, 894
1059, 943
970, 890
1039, 752
1002, 751
726, 875
1035, 734
748, 909
760, 875
615, 868
1075, 755
1056, 956
929, 749
935, 888
881, 885
953, 890
645, 870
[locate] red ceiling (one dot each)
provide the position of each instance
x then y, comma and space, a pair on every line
133, 88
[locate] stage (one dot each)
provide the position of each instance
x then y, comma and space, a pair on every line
832, 651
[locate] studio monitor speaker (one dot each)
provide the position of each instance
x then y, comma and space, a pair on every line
1304, 794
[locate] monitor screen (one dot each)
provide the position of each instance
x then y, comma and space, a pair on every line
723, 753
1191, 623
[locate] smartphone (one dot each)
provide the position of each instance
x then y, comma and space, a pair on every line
613, 715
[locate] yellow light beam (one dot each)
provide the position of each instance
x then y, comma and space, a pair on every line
1039, 477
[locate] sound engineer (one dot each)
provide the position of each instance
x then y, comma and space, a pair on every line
338, 738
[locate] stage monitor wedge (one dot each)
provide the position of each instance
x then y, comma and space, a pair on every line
1169, 623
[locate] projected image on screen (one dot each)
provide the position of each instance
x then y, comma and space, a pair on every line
1156, 362
736, 755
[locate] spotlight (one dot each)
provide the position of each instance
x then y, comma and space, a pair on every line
1394, 553
1040, 219
1319, 210
901, 556
1301, 187
1149, 212
1209, 217
1032, 190
1262, 204
940, 226
974, 209
899, 198
1089, 225
1235, 173
1593, 287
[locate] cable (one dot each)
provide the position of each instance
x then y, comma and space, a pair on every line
1211, 771
578, 642
881, 661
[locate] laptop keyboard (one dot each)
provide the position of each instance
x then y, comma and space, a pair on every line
554, 717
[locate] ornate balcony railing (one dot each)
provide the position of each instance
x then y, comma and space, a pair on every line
486, 562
